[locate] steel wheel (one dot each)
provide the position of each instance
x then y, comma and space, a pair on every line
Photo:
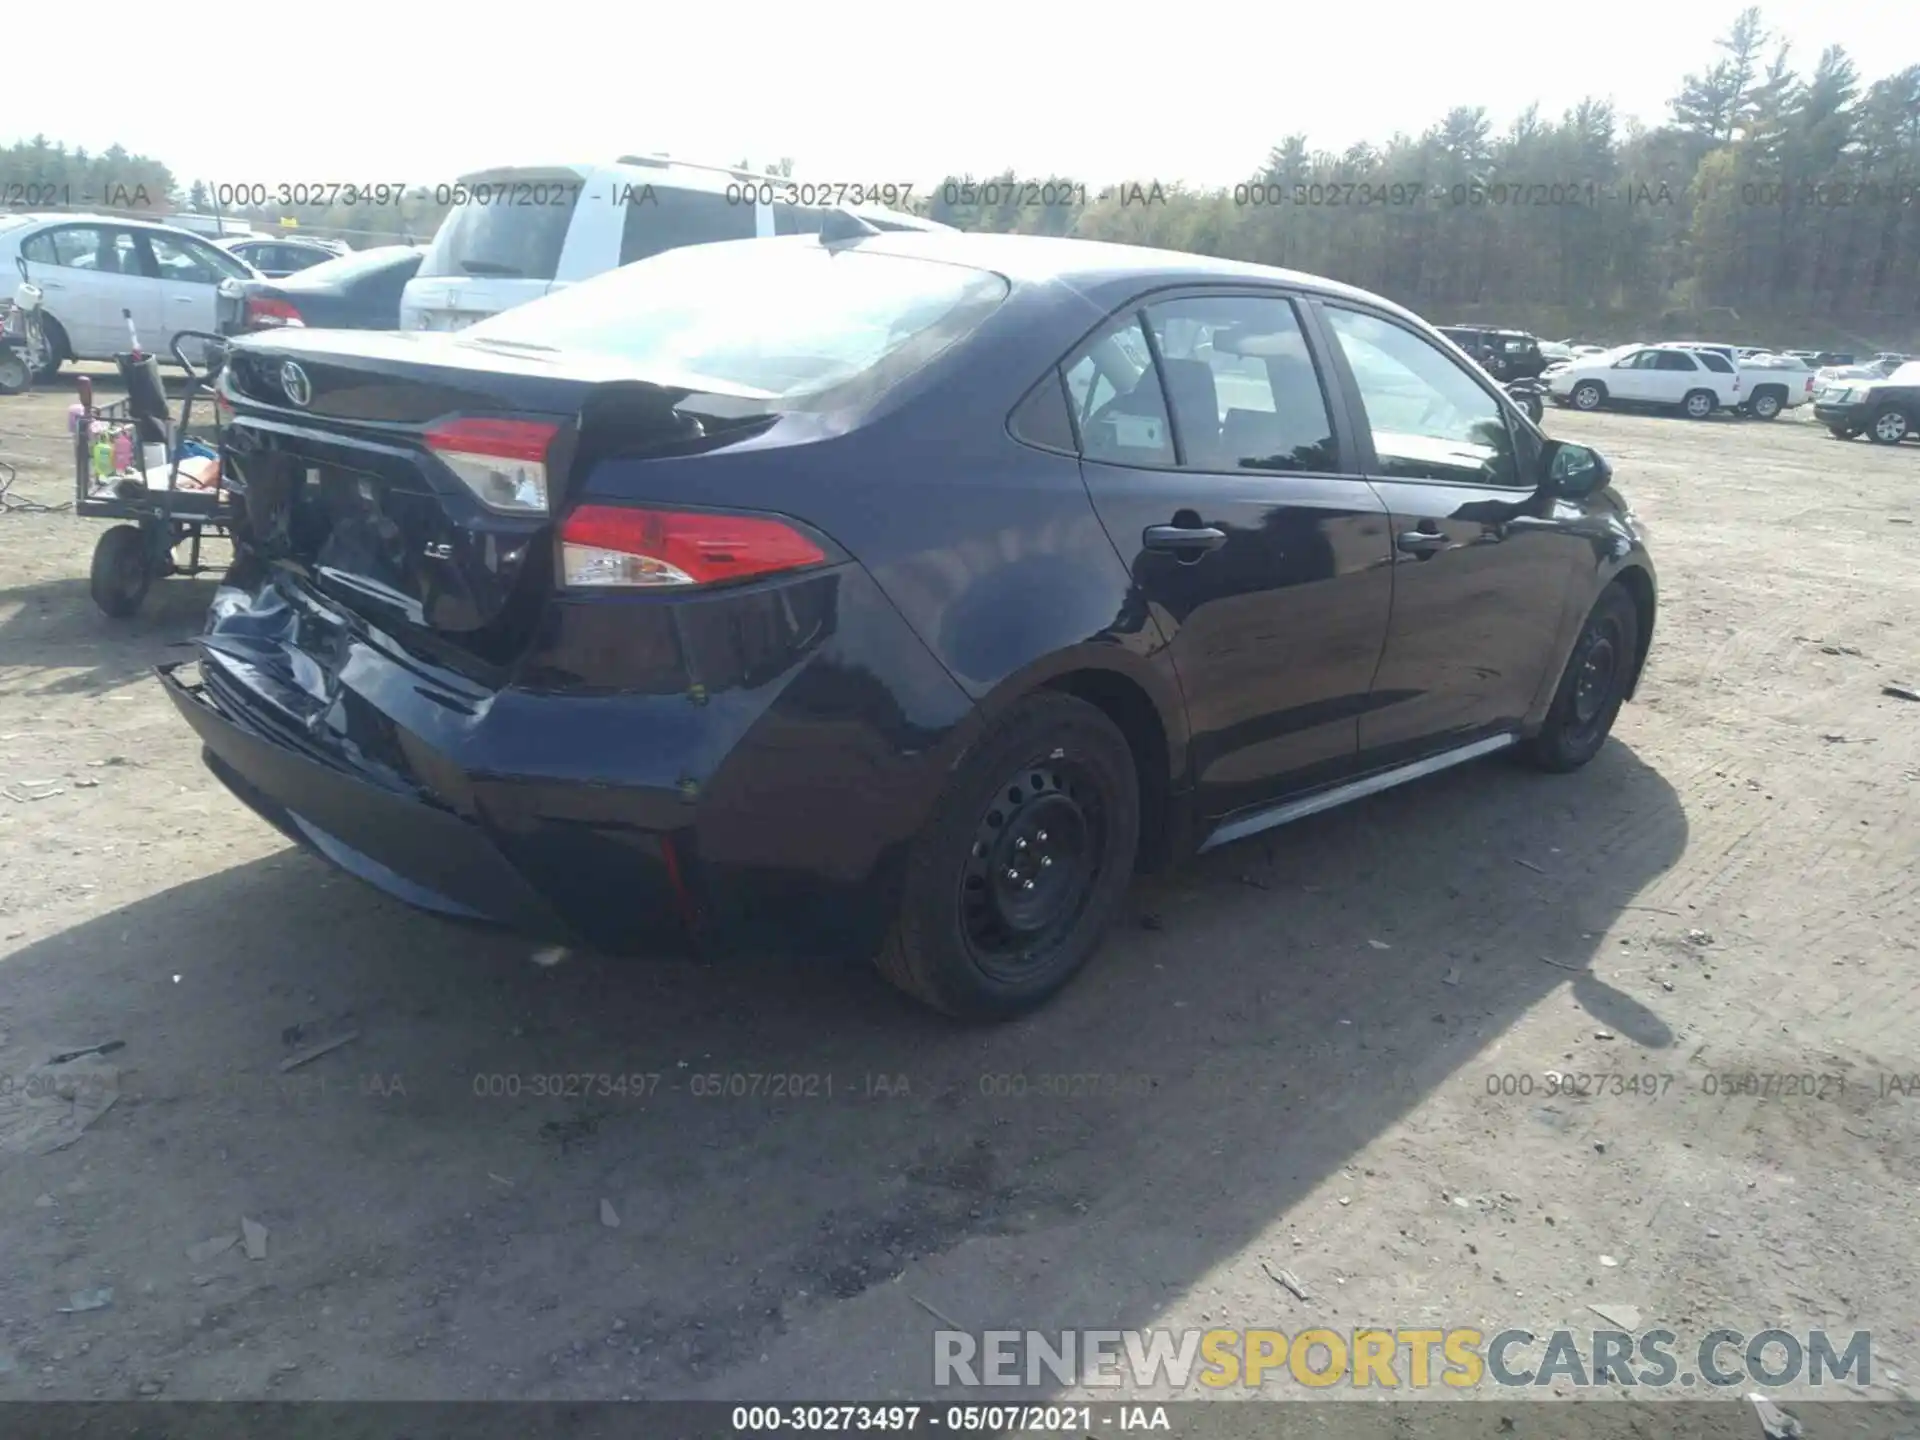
1037, 851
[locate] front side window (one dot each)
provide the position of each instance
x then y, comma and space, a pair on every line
1429, 419
179, 258
1244, 390
1118, 405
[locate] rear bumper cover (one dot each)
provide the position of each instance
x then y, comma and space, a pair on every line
427, 857
767, 806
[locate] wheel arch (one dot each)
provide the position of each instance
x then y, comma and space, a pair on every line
1637, 580
1140, 697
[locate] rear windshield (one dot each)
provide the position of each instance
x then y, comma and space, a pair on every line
512, 226
780, 320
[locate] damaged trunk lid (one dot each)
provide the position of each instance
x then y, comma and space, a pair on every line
411, 482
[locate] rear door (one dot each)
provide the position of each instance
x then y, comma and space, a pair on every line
97, 272
1673, 374
1259, 549
1482, 559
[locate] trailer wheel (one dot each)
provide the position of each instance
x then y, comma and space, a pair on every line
121, 571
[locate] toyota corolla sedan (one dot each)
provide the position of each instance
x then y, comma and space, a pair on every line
898, 595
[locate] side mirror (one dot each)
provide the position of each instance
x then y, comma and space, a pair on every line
1576, 471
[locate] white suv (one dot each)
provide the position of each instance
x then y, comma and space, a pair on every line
96, 269
514, 234
1695, 382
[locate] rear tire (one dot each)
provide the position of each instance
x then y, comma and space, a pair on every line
15, 377
1698, 404
121, 572
57, 351
1890, 426
1014, 880
1592, 687
1766, 405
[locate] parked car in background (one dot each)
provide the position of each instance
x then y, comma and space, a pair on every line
357, 291
1828, 358
515, 234
1828, 375
876, 597
1886, 409
1887, 361
1773, 383
92, 268
1506, 354
274, 256
1665, 376
1555, 350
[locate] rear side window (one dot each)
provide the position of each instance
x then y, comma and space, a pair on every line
673, 218
1244, 391
1041, 419
797, 219
511, 228
1117, 401
1673, 360
1714, 362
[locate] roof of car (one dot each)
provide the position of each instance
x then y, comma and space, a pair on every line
1040, 259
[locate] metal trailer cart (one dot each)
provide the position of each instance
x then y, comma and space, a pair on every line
157, 519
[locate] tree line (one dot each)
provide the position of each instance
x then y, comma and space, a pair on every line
1768, 197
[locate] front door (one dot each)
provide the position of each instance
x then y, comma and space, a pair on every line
1481, 566
190, 273
1261, 553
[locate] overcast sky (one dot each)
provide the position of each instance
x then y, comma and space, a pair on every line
347, 91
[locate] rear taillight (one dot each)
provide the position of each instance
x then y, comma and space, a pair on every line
503, 462
265, 312
630, 548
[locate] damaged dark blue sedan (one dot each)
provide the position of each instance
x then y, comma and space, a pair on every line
897, 595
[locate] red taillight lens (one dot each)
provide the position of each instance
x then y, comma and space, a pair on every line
265, 312
503, 462
632, 548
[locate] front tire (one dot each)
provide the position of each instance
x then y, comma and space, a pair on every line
1890, 426
1588, 395
1014, 880
1592, 687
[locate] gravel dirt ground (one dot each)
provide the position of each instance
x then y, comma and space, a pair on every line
1289, 1056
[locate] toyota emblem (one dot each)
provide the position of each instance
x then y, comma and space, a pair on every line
294, 381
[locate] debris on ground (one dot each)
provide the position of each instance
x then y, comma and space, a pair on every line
1699, 937
208, 1249
549, 956
1288, 1279
1901, 691
254, 1234
1625, 1317
609, 1217
314, 1052
1775, 1422
45, 1110
1256, 882
1609, 1262
82, 1301
1379, 944
30, 795
1562, 965
67, 1057
1529, 864
1452, 977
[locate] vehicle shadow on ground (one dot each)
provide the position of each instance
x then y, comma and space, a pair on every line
55, 641
776, 1140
